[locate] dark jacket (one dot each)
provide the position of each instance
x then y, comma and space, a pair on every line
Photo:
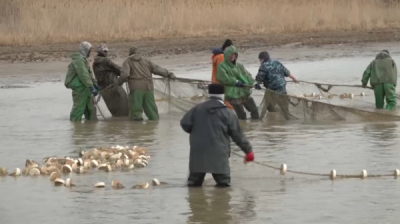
211, 125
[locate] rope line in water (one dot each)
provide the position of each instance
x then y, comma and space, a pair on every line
395, 174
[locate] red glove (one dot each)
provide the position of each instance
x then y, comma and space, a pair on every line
250, 157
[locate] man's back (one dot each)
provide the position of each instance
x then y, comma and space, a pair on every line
273, 73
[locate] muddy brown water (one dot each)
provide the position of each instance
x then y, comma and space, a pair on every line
34, 124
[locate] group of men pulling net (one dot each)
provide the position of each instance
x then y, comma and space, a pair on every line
294, 100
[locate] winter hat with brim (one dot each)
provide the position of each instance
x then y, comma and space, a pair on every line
216, 88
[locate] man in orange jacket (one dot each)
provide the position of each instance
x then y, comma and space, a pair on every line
217, 58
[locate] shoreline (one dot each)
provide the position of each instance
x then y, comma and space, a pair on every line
149, 48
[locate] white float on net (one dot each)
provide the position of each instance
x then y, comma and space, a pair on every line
283, 168
333, 174
364, 174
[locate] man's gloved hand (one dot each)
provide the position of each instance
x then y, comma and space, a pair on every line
239, 84
96, 87
364, 85
94, 91
257, 86
249, 157
171, 75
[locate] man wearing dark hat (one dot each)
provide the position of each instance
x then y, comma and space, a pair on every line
272, 74
211, 125
137, 71
107, 72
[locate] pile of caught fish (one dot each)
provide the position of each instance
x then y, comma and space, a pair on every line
330, 96
106, 159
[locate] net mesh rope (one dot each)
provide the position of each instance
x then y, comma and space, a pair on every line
304, 100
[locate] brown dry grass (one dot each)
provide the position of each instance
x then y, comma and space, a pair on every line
34, 22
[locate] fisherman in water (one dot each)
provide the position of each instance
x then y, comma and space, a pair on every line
80, 79
211, 125
137, 71
237, 81
382, 75
217, 58
107, 72
272, 74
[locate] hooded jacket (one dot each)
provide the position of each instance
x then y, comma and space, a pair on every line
138, 71
228, 74
79, 74
212, 126
381, 70
217, 58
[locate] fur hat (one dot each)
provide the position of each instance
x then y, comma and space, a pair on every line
132, 50
216, 88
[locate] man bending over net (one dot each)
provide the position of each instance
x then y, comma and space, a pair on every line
272, 74
237, 81
382, 74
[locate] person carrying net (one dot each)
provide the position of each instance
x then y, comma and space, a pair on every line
382, 75
273, 75
211, 126
107, 72
138, 71
80, 79
237, 81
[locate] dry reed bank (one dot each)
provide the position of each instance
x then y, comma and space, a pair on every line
36, 22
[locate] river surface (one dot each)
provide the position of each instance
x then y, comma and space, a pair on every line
34, 124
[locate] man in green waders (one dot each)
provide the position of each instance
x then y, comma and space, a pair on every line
137, 71
382, 74
80, 79
237, 80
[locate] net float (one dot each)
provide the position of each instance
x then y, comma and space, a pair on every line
351, 95
94, 163
141, 186
59, 182
333, 174
54, 176
156, 182
99, 185
119, 163
80, 170
74, 167
34, 172
79, 162
116, 184
364, 174
44, 170
68, 183
396, 173
66, 169
313, 94
3, 171
16, 172
283, 169
362, 94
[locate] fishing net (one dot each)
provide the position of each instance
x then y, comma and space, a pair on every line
304, 101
